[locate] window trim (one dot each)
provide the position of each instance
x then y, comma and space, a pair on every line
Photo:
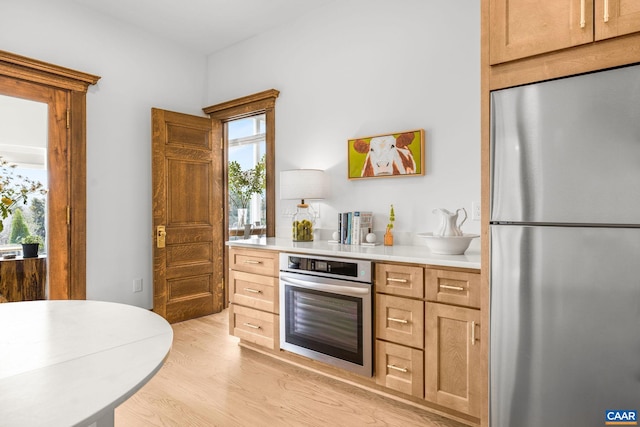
251, 105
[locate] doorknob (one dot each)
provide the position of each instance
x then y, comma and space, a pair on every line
161, 233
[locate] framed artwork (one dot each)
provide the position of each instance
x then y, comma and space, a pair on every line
394, 154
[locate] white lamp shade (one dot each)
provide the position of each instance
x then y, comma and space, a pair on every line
302, 184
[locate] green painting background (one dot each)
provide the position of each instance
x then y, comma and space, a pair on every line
356, 160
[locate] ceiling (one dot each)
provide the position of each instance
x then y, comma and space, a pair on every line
205, 26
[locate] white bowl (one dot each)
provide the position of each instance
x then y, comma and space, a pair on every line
451, 245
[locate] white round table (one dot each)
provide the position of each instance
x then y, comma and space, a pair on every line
67, 363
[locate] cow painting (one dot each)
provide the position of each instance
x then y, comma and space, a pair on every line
387, 155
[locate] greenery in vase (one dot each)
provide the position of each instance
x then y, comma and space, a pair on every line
244, 183
14, 189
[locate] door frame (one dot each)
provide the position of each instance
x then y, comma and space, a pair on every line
67, 90
251, 105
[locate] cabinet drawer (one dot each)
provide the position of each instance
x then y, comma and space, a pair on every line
400, 320
254, 290
400, 280
254, 326
400, 368
254, 261
453, 287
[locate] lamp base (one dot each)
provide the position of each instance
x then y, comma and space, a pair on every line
302, 226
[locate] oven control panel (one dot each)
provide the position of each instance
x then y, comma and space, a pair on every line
341, 268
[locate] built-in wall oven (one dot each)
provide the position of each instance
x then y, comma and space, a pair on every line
326, 310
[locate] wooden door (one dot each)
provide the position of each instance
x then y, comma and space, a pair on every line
522, 28
452, 357
188, 202
616, 17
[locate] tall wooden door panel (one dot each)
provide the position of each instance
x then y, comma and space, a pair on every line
187, 202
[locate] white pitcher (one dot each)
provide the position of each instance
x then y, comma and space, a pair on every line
449, 222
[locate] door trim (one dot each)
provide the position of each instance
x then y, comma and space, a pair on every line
67, 274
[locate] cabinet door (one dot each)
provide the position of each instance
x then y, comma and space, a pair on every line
616, 18
521, 28
452, 357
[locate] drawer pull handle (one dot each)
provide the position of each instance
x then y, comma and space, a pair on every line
393, 319
253, 291
251, 261
453, 288
583, 22
391, 279
606, 11
252, 326
397, 368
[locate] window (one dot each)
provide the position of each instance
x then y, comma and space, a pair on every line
224, 116
246, 170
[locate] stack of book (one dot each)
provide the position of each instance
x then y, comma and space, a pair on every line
354, 226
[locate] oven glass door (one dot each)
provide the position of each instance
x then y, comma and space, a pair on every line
325, 322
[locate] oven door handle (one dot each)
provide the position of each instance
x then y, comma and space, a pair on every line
336, 289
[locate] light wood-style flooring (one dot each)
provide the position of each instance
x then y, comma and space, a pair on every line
208, 380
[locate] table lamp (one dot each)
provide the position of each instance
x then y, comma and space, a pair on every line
302, 184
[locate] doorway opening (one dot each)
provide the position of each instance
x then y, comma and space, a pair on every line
23, 146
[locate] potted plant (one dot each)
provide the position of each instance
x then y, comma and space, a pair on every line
243, 184
14, 189
388, 235
30, 246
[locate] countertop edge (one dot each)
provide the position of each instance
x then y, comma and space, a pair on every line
397, 253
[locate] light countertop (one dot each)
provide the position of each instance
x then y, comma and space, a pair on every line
396, 253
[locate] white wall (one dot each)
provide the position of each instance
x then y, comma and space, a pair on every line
355, 68
366, 67
138, 72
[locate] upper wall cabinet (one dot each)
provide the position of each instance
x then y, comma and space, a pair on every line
523, 28
616, 18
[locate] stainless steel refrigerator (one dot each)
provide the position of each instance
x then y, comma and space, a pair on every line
565, 250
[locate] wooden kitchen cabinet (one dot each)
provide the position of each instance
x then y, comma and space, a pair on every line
400, 320
453, 287
399, 326
401, 280
452, 357
525, 28
615, 18
453, 368
400, 368
253, 291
